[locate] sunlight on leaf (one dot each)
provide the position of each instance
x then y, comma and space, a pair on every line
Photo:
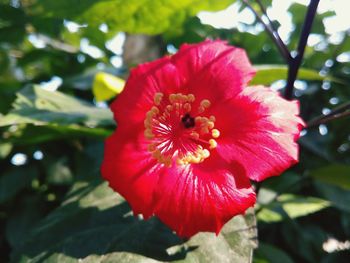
267, 74
294, 206
38, 106
106, 86
94, 210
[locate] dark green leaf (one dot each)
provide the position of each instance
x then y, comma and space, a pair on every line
335, 174
96, 225
27, 213
298, 17
12, 24
38, 106
271, 254
338, 197
266, 74
13, 181
28, 134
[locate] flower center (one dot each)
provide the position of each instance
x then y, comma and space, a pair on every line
174, 134
188, 121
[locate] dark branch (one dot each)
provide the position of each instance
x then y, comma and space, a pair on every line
286, 52
296, 61
339, 112
272, 33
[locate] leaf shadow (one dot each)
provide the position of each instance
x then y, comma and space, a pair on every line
80, 232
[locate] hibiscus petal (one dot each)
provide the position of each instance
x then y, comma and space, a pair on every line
130, 169
202, 197
259, 131
144, 82
213, 70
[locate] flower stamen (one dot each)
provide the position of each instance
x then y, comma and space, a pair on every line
158, 98
215, 133
204, 105
175, 135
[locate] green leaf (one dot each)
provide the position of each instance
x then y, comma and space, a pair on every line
335, 174
12, 24
29, 210
94, 224
5, 149
29, 133
271, 254
267, 74
294, 206
298, 12
38, 106
58, 172
134, 16
106, 86
14, 181
339, 197
287, 181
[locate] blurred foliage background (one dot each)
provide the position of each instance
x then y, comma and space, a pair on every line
58, 63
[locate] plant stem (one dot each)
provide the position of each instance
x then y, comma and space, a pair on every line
282, 46
272, 33
296, 61
339, 112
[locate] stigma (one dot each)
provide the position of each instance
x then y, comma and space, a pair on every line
179, 129
188, 121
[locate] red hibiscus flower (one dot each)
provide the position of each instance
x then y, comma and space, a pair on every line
191, 135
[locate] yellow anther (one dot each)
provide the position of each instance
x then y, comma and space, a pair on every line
196, 159
169, 108
184, 160
155, 110
191, 98
212, 118
210, 124
148, 134
178, 96
205, 153
212, 143
193, 157
158, 98
204, 130
198, 119
179, 161
157, 154
147, 123
205, 103
160, 157
151, 147
167, 161
194, 135
149, 114
187, 107
184, 98
215, 133
172, 98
